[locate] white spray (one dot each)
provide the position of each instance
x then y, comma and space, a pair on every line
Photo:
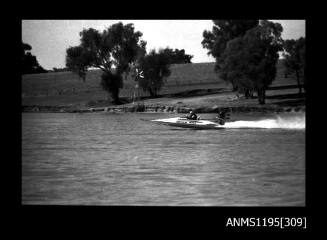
288, 122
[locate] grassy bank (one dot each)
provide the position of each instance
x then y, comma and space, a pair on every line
194, 86
203, 101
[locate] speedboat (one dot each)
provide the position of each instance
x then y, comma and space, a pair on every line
188, 123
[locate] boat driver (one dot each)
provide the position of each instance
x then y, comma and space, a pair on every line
192, 116
221, 117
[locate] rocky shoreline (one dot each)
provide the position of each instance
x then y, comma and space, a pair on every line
162, 109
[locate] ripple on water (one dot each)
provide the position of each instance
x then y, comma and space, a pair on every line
117, 159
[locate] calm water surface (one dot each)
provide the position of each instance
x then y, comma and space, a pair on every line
119, 159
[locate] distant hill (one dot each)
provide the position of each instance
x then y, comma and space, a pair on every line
183, 77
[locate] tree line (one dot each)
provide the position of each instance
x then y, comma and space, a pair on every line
119, 50
245, 52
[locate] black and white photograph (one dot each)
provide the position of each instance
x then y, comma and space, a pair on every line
163, 112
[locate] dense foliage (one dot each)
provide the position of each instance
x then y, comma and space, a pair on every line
177, 56
155, 70
222, 32
29, 62
294, 53
246, 53
113, 51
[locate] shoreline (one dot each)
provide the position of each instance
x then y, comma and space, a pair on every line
138, 108
279, 99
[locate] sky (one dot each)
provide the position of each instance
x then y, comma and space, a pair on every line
50, 38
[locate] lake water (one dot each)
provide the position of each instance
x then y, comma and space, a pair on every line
120, 159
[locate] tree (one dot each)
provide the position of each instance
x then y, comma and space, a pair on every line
113, 51
222, 32
294, 53
77, 61
249, 61
155, 67
177, 56
29, 62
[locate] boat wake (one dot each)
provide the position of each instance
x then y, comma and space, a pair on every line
283, 122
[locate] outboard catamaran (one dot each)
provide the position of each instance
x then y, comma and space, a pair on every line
184, 122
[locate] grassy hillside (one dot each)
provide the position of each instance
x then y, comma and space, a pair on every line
64, 88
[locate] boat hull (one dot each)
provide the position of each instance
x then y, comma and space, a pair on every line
187, 123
